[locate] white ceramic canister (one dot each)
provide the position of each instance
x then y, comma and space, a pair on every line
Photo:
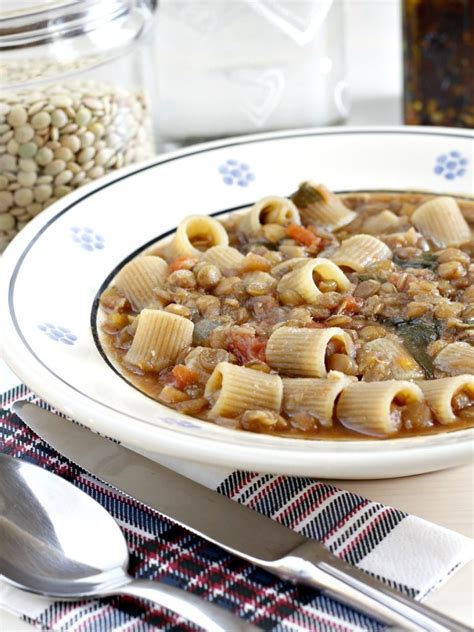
240, 66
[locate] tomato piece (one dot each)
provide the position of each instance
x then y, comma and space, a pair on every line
302, 235
351, 305
182, 263
183, 376
246, 348
167, 377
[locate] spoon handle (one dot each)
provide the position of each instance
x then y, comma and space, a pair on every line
203, 613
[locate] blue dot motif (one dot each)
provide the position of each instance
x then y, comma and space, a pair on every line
58, 333
179, 423
451, 166
237, 173
87, 238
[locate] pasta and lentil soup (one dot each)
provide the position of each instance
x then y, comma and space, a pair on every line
315, 316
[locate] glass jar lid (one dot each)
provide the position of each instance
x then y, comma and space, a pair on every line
51, 38
26, 23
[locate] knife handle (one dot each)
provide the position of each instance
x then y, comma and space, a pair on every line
317, 567
203, 613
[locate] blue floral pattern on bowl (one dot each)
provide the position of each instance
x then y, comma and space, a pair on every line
58, 333
235, 172
179, 423
451, 165
87, 238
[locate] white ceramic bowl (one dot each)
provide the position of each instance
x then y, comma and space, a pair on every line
53, 271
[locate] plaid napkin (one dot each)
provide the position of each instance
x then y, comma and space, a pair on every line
405, 552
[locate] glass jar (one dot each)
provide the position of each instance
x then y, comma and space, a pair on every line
438, 62
75, 94
249, 66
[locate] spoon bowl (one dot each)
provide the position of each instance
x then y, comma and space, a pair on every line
72, 548
59, 542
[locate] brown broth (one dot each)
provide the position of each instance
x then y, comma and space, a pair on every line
396, 305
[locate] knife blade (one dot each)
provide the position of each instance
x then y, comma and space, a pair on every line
234, 527
184, 501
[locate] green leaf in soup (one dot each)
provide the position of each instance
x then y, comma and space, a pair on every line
416, 336
425, 260
306, 195
258, 242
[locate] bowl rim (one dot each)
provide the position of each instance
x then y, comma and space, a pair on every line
70, 403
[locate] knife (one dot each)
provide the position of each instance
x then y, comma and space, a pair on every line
234, 527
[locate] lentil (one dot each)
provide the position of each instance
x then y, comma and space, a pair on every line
182, 278
24, 133
17, 116
415, 309
372, 332
452, 254
40, 119
209, 276
451, 270
367, 288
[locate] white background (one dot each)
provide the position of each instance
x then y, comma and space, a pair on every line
374, 60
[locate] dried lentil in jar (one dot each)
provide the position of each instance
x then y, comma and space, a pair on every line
66, 121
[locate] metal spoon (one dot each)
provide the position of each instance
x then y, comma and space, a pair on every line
59, 542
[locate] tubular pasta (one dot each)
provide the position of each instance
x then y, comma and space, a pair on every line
269, 210
302, 351
224, 257
159, 339
400, 363
368, 407
305, 278
315, 396
455, 359
320, 206
441, 221
139, 277
234, 389
383, 222
360, 251
196, 227
440, 394
287, 266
